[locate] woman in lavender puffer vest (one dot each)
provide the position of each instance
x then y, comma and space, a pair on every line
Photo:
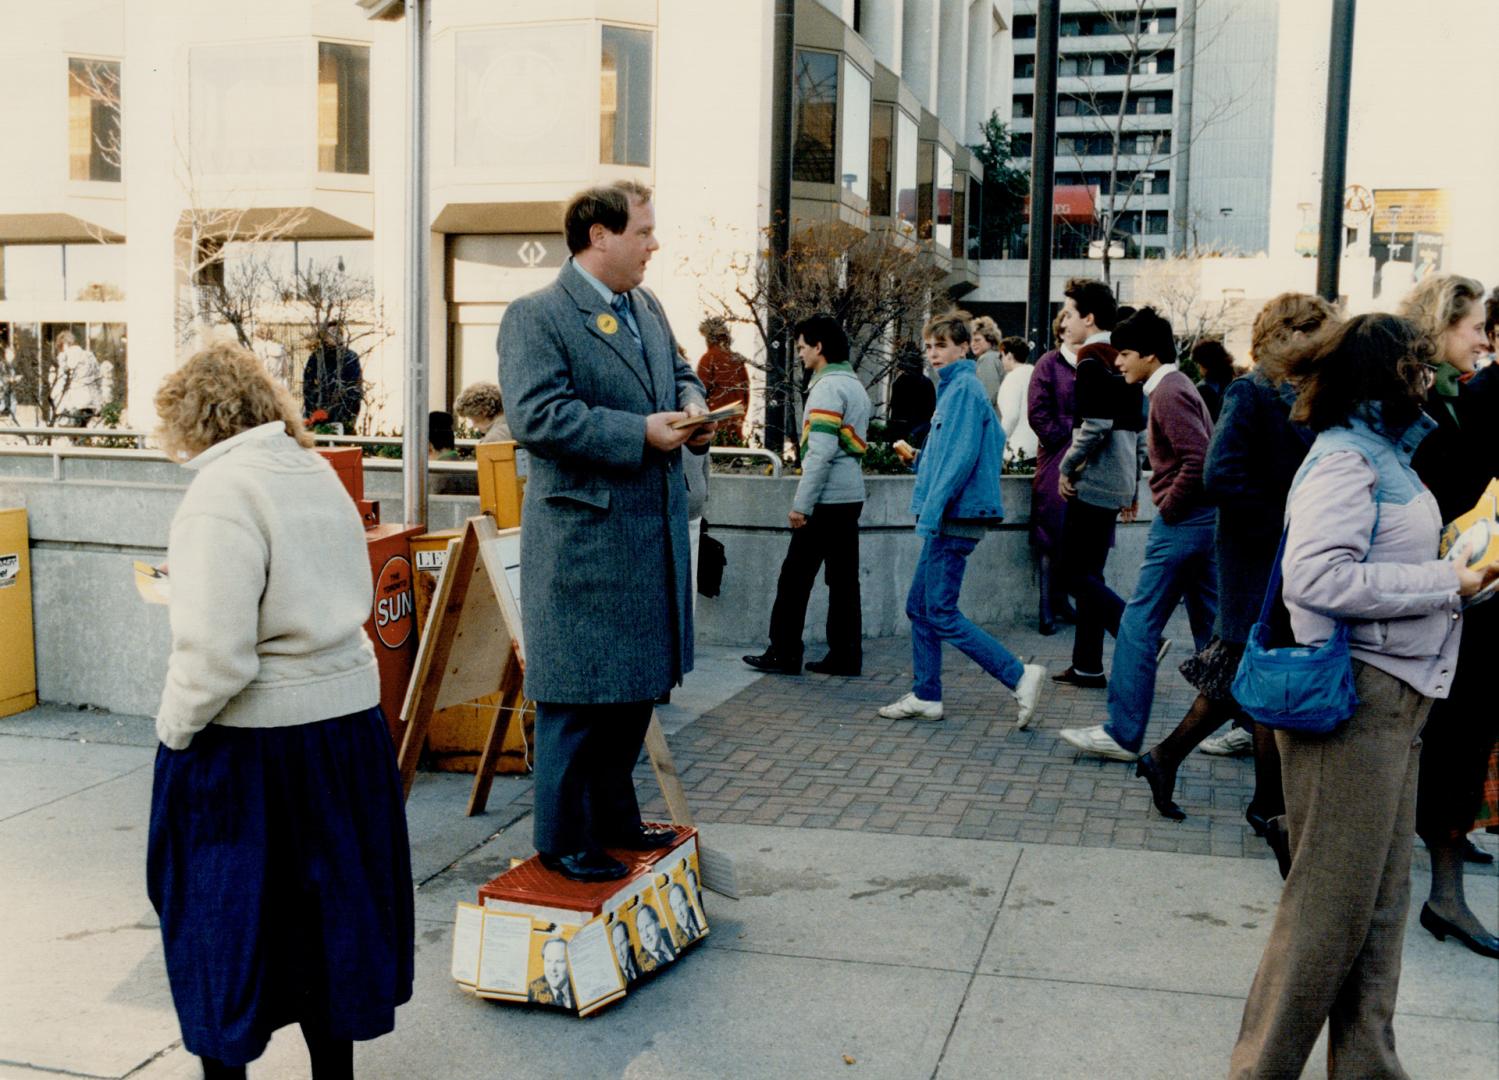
1361, 548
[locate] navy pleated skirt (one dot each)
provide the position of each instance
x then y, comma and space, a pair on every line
280, 868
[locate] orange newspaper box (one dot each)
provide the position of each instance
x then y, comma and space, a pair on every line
392, 622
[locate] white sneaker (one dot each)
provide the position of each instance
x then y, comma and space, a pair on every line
1095, 740
1234, 741
1028, 693
912, 707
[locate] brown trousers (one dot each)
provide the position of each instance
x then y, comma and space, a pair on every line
1334, 952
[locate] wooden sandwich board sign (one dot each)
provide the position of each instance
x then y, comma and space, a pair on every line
471, 647
473, 644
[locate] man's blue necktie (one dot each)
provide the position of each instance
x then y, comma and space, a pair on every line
621, 306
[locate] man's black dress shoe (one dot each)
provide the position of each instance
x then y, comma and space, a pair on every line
831, 665
1483, 943
646, 838
1087, 682
773, 664
585, 866
1471, 852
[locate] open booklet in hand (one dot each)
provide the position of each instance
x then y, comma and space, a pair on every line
728, 412
1474, 537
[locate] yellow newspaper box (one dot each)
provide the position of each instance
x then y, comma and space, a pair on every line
18, 673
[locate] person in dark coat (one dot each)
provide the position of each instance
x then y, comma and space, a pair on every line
1050, 407
592, 379
1217, 367
1251, 462
913, 399
1456, 462
333, 382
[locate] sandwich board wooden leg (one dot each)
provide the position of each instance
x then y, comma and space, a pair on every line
511, 702
432, 654
717, 866
666, 773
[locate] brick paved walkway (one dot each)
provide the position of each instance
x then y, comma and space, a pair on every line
811, 751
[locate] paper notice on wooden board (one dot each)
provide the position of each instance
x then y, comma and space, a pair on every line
467, 927
596, 976
505, 950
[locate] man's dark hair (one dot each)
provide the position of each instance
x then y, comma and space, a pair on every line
1491, 313
607, 205
824, 330
1147, 333
1213, 360
440, 430
1093, 297
1375, 358
1017, 347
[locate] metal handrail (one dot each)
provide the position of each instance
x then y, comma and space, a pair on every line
749, 451
140, 438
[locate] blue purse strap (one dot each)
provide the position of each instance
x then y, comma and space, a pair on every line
1273, 586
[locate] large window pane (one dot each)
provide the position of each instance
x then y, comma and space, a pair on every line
94, 120
881, 158
906, 170
625, 97
32, 272
855, 142
95, 271
944, 215
245, 102
520, 91
926, 184
815, 117
343, 108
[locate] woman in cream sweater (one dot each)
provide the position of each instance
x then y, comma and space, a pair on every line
278, 858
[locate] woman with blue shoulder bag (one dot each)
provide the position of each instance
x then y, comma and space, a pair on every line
1364, 589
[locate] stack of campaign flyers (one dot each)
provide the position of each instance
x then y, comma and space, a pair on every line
537, 937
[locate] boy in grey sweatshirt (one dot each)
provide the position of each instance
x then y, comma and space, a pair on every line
825, 511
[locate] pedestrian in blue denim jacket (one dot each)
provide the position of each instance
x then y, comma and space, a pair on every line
956, 498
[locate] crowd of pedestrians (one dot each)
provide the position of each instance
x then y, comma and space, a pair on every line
1308, 494
1301, 503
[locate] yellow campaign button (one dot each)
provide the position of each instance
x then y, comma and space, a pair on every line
607, 323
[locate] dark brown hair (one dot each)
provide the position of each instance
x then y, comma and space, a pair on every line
1017, 347
1093, 297
1375, 358
607, 205
1491, 313
1212, 359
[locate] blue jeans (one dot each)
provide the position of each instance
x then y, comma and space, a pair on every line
1179, 564
932, 606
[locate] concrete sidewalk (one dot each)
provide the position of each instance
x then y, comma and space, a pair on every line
864, 946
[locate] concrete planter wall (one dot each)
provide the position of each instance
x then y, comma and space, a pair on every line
92, 515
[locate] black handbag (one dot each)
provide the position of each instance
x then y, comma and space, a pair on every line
710, 561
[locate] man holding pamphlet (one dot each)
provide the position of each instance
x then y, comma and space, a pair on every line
595, 390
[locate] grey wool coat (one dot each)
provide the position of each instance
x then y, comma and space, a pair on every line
606, 605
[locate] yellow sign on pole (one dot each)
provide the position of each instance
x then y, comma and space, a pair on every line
1411, 210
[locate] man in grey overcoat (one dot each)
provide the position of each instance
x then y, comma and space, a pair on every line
592, 380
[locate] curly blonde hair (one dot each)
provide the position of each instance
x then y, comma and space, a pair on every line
479, 401
221, 391
1273, 341
1439, 301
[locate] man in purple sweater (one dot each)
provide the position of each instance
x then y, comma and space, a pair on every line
1179, 555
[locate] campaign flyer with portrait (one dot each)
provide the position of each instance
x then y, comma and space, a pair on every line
579, 954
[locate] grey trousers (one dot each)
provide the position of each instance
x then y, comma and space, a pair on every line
1334, 951
584, 791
